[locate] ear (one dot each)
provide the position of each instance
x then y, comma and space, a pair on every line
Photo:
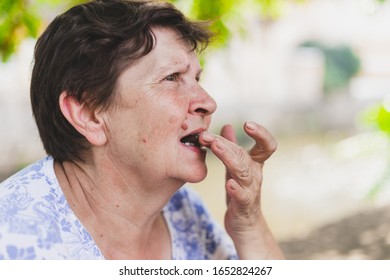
85, 120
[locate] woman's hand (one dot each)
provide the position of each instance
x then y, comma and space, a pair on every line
244, 173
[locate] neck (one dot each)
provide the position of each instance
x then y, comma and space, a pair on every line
122, 215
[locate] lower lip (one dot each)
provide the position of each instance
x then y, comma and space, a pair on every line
195, 149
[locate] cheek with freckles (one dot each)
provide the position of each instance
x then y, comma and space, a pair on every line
153, 140
172, 120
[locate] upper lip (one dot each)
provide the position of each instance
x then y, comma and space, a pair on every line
196, 131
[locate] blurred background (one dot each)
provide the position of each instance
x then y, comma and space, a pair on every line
316, 73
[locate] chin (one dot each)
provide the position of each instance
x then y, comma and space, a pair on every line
197, 176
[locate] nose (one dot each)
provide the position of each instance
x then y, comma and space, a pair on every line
202, 103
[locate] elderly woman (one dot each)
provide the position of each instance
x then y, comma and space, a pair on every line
116, 97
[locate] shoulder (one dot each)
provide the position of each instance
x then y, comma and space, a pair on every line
26, 185
31, 183
34, 173
36, 221
26, 211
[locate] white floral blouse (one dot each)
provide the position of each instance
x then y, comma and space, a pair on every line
36, 222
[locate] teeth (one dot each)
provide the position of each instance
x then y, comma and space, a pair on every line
191, 141
188, 144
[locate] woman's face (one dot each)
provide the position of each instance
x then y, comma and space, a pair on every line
159, 102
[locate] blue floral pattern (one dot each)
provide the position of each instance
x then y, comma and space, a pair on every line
36, 222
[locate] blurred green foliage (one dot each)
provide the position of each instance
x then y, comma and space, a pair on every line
378, 116
17, 21
20, 19
341, 64
224, 13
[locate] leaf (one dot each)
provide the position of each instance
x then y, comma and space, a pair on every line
20, 19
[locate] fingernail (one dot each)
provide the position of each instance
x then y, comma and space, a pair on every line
250, 125
207, 137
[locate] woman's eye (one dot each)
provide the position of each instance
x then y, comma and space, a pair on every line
173, 77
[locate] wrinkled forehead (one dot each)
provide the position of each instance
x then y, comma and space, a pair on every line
171, 42
170, 50
170, 54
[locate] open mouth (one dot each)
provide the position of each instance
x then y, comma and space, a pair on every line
191, 140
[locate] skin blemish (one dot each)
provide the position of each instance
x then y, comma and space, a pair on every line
184, 126
172, 120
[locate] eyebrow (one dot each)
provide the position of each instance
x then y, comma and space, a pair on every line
166, 68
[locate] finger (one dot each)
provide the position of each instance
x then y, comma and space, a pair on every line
228, 132
239, 196
265, 143
234, 157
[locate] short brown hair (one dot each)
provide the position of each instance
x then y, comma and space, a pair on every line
84, 51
